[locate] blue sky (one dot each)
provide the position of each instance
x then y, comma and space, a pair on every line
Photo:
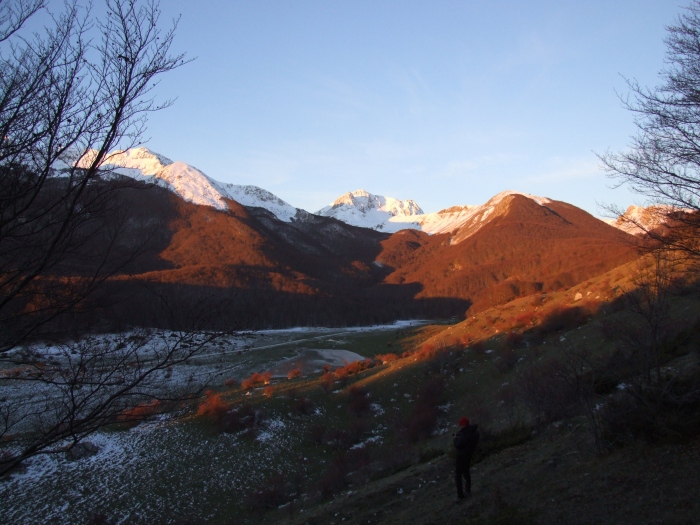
444, 102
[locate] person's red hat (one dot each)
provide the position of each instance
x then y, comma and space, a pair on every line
463, 422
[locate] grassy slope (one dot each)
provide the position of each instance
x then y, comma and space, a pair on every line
552, 478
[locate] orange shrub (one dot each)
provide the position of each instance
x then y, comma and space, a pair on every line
256, 379
327, 381
131, 417
293, 374
427, 351
353, 368
386, 358
524, 319
342, 372
269, 390
213, 406
230, 382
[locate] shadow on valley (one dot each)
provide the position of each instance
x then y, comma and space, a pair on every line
187, 306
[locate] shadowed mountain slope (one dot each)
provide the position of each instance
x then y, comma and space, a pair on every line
244, 267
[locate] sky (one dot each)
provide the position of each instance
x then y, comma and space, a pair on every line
445, 103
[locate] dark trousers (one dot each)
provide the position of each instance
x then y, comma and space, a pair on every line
462, 471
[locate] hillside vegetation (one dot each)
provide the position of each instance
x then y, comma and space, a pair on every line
578, 424
247, 269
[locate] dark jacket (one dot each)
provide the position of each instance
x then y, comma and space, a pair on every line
465, 442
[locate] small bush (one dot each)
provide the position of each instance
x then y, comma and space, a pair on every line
479, 348
358, 400
240, 418
337, 439
317, 433
335, 478
386, 358
256, 379
353, 368
293, 374
525, 319
494, 442
561, 318
214, 406
668, 412
268, 391
426, 350
426, 454
303, 406
514, 340
268, 496
422, 422
357, 430
131, 417
423, 419
99, 519
342, 373
433, 390
230, 383
507, 361
327, 382
545, 391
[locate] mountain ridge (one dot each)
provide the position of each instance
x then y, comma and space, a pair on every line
358, 208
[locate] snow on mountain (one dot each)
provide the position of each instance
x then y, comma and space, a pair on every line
638, 220
191, 184
441, 222
361, 208
258, 197
467, 219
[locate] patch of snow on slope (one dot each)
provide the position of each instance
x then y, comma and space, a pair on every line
443, 221
192, 185
498, 198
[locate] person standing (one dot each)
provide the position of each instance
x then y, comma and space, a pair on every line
465, 441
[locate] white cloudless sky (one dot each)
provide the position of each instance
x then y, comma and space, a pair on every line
445, 102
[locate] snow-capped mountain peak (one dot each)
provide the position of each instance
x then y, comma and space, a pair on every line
142, 159
190, 183
361, 208
638, 220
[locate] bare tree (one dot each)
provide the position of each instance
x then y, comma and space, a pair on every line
69, 96
88, 384
663, 161
644, 334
